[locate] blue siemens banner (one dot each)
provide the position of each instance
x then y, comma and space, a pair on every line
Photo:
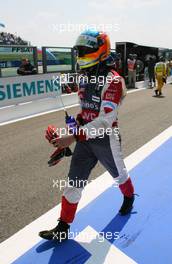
20, 89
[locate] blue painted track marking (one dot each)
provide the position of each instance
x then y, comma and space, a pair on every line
145, 235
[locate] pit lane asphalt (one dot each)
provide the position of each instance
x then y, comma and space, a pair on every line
26, 182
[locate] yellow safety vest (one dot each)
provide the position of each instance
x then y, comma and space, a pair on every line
160, 69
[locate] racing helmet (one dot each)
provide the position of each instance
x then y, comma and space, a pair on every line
92, 47
111, 60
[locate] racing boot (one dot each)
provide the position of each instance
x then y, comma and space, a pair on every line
59, 233
127, 205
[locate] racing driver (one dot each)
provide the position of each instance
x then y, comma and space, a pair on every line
99, 111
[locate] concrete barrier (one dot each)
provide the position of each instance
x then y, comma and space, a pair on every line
36, 107
20, 89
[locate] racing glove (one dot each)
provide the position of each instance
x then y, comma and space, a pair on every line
59, 153
51, 133
80, 120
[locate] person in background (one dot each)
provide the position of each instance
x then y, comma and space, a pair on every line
169, 70
119, 64
26, 68
160, 75
170, 66
113, 61
151, 73
167, 64
131, 63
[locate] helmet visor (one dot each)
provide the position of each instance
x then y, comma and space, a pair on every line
82, 51
85, 45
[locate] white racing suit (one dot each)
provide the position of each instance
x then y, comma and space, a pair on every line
99, 110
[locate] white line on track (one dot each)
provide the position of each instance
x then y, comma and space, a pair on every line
46, 112
136, 90
107, 252
24, 239
35, 115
